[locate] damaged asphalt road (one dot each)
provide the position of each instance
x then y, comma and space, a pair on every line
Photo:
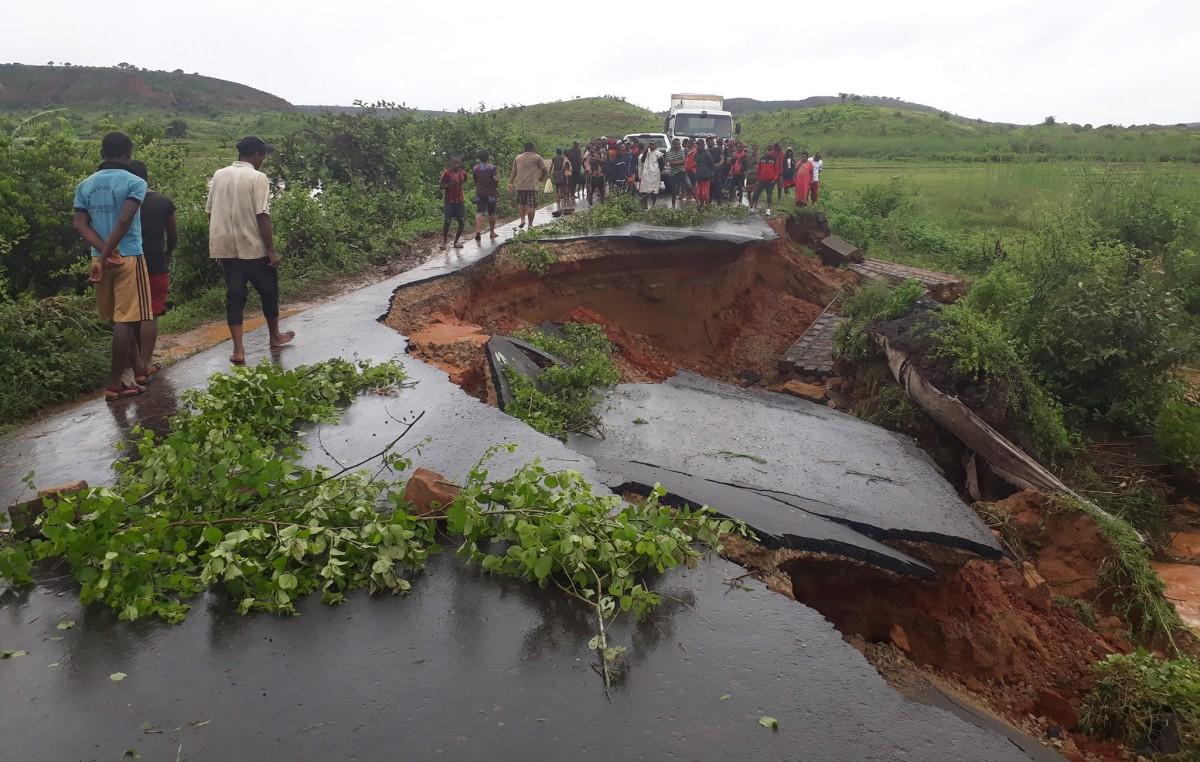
788, 467
470, 666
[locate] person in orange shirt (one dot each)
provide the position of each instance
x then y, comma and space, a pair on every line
804, 173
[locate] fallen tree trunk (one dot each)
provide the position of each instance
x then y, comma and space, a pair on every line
1008, 461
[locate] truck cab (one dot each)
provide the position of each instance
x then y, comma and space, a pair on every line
698, 116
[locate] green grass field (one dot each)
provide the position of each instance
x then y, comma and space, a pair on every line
971, 197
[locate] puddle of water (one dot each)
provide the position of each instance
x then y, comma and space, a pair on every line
1183, 589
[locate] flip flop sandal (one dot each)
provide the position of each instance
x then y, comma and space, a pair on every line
123, 393
152, 370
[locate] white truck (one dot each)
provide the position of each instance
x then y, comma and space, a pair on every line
699, 116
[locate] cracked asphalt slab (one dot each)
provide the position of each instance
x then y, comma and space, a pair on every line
467, 666
802, 455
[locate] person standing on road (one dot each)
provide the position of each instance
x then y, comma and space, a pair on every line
720, 172
107, 206
804, 173
454, 202
528, 172
787, 172
768, 176
561, 173
678, 183
705, 173
575, 154
737, 172
241, 238
813, 190
597, 160
159, 238
487, 193
650, 171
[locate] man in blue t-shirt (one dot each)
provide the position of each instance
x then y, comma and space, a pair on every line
106, 214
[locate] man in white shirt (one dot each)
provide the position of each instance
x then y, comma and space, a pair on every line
240, 237
817, 163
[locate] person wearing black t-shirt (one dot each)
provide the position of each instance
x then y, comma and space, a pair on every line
159, 238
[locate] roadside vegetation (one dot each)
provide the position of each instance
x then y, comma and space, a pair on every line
1148, 702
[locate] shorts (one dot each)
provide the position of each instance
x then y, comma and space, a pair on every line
486, 205
123, 293
160, 286
527, 198
455, 211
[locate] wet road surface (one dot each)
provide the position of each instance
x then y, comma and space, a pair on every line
467, 666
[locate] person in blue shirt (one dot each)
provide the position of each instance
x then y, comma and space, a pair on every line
106, 215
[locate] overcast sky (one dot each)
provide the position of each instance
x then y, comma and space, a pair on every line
1097, 61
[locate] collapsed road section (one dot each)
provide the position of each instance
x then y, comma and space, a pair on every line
470, 665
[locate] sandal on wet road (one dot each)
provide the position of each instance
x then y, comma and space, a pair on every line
152, 370
123, 392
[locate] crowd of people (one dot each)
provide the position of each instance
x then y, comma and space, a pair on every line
703, 171
131, 229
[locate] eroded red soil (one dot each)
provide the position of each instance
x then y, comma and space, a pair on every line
722, 311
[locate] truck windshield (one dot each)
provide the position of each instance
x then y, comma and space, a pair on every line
714, 125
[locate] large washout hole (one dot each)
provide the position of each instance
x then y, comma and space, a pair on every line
724, 310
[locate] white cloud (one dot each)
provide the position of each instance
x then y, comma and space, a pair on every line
1098, 62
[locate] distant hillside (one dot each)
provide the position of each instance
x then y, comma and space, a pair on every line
37, 87
416, 112
751, 106
894, 132
580, 119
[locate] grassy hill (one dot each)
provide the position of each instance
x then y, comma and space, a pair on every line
890, 132
88, 87
551, 125
751, 106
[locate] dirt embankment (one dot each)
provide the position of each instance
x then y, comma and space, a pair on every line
720, 310
1017, 636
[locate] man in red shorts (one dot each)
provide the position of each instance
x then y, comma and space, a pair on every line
159, 238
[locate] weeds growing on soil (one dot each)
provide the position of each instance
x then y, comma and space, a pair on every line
1139, 591
1138, 695
874, 302
1082, 610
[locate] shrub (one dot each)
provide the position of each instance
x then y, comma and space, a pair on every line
536, 257
874, 302
1137, 694
51, 350
1177, 431
979, 349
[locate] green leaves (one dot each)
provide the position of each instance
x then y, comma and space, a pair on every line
593, 546
768, 722
222, 500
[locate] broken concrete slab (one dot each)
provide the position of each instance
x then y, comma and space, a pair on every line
807, 226
943, 287
800, 453
466, 667
812, 353
836, 251
775, 524
503, 355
